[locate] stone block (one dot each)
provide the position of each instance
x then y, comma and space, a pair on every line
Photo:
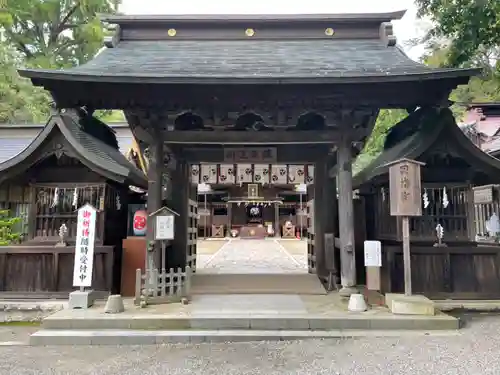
81, 300
357, 303
114, 304
410, 305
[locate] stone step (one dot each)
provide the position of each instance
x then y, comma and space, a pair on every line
251, 322
145, 337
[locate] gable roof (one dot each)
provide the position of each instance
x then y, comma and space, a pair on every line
92, 152
427, 126
210, 49
14, 138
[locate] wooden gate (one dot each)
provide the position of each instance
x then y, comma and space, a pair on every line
192, 234
311, 257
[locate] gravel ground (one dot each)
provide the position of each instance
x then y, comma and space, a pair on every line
475, 351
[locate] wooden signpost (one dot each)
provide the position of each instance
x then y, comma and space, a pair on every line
405, 201
164, 229
373, 263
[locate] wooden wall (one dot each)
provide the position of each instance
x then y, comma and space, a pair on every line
460, 271
47, 271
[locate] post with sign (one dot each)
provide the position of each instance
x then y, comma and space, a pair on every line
164, 220
373, 263
84, 257
405, 201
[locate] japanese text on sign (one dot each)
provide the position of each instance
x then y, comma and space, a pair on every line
84, 246
252, 155
164, 227
405, 182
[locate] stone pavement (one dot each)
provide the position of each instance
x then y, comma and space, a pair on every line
252, 256
473, 351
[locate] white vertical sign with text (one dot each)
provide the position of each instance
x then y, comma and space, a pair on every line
84, 246
373, 253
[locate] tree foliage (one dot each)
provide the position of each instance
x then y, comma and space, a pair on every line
8, 234
55, 33
472, 28
45, 34
20, 101
386, 119
483, 89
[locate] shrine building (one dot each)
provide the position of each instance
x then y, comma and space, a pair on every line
253, 105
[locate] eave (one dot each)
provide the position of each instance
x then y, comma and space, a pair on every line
43, 77
260, 18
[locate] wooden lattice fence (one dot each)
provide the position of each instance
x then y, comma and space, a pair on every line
162, 287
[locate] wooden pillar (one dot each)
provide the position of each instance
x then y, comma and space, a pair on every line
320, 215
179, 203
229, 219
330, 226
277, 229
311, 258
346, 219
155, 171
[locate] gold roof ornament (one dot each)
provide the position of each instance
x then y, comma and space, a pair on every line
329, 32
249, 32
172, 32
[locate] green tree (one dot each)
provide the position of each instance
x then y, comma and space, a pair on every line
20, 101
55, 33
483, 89
386, 119
8, 235
472, 28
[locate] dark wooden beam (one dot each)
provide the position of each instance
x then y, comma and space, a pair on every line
256, 138
285, 154
226, 98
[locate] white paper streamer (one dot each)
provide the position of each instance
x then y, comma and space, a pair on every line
446, 202
425, 199
55, 200
75, 198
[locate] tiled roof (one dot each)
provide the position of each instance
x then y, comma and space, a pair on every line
249, 59
230, 58
431, 127
11, 146
103, 157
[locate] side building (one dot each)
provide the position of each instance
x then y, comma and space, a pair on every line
46, 173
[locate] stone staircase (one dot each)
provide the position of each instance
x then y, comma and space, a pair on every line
233, 318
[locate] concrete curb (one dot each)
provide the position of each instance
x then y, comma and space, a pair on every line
143, 337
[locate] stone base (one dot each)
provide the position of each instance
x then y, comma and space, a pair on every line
400, 304
114, 305
81, 300
346, 291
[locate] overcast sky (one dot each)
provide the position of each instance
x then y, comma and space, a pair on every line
405, 29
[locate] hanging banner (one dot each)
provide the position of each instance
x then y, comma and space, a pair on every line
84, 246
227, 174
279, 174
296, 174
245, 173
310, 175
261, 173
209, 173
195, 174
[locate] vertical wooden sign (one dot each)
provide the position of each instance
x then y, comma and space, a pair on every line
405, 201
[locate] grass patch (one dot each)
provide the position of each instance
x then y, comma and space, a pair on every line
20, 324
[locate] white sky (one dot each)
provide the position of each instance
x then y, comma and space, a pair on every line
407, 28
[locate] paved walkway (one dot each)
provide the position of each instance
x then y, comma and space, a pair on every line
251, 256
